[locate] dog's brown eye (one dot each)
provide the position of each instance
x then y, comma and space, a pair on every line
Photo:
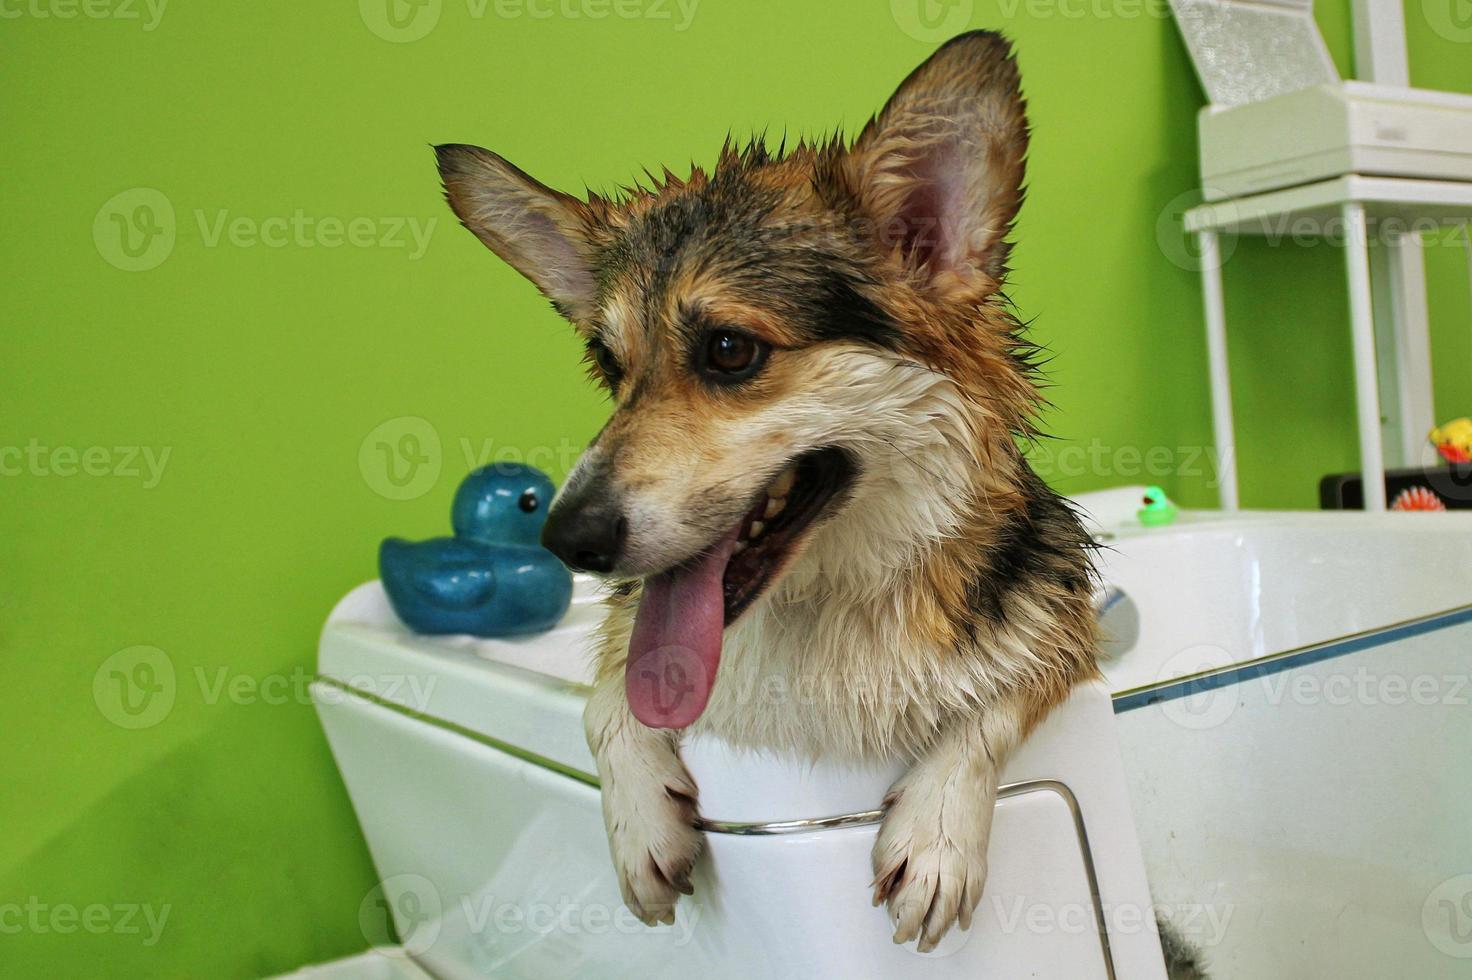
607, 363
731, 355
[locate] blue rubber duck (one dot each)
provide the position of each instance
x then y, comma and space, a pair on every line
493, 578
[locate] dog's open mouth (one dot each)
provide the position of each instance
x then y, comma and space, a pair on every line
675, 647
777, 522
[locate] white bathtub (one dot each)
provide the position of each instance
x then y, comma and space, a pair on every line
1293, 695
1295, 746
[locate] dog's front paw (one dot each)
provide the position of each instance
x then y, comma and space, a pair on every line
655, 843
930, 863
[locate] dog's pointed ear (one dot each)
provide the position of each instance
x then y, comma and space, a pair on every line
940, 169
540, 232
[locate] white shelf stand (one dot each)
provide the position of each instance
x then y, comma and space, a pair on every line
1357, 207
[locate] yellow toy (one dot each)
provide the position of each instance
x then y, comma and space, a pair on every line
1453, 440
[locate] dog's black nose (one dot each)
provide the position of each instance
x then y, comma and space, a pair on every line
587, 532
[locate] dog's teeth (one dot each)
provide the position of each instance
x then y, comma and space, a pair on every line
740, 547
756, 528
774, 507
783, 483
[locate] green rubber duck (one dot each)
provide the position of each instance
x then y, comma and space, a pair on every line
1158, 510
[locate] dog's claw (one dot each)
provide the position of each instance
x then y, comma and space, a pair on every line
885, 882
654, 850
930, 879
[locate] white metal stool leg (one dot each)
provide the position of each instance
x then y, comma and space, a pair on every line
1221, 381
1362, 326
1467, 241
1403, 347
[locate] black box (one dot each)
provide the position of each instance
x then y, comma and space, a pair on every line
1451, 483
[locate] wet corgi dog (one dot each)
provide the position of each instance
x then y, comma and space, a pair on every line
811, 474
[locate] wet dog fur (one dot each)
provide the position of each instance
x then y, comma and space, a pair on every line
937, 609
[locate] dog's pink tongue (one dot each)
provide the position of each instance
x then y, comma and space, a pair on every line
676, 644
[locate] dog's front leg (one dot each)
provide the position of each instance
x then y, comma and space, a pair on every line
930, 856
648, 804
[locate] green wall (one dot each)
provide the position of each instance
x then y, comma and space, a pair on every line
267, 347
